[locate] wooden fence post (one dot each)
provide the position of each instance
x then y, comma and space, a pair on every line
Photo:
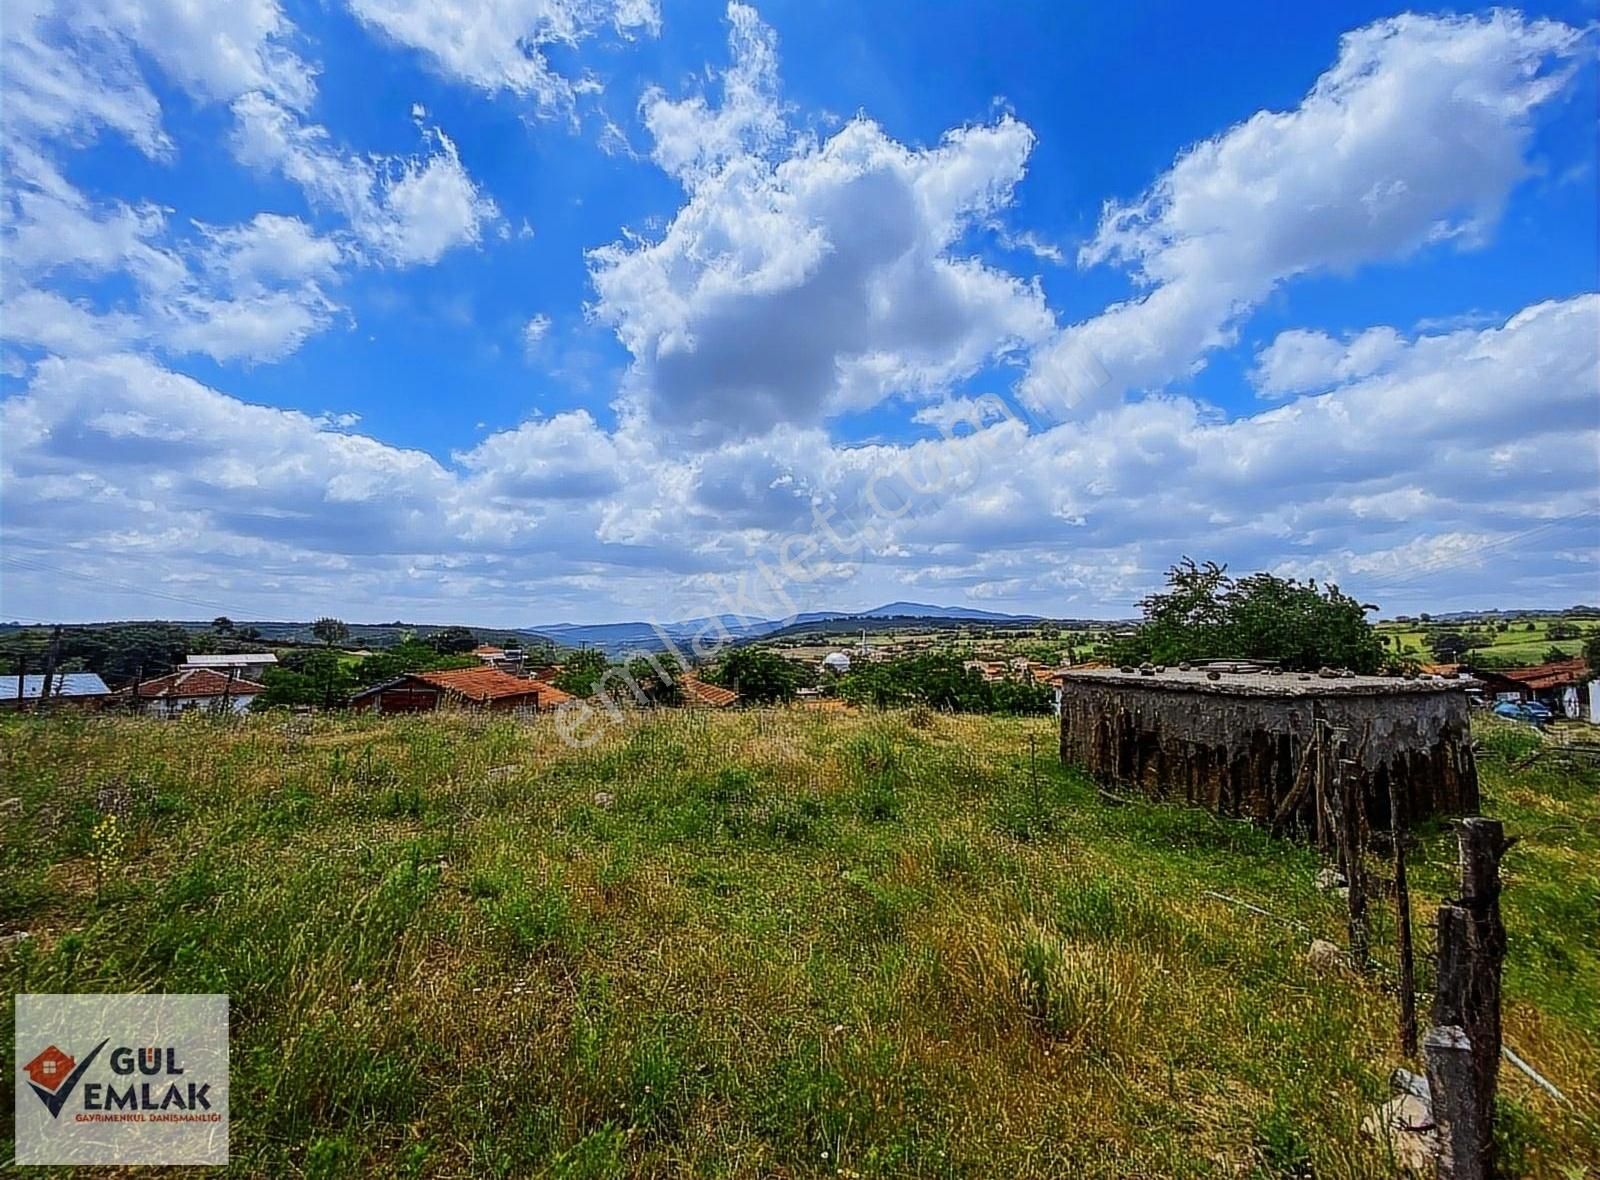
1472, 947
1352, 805
1398, 831
1447, 1052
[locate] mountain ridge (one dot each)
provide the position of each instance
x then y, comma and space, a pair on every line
613, 637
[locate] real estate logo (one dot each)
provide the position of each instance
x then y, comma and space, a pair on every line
150, 1086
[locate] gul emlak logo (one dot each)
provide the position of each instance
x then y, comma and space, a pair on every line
121, 1079
53, 1075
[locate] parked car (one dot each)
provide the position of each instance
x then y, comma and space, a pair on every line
1531, 712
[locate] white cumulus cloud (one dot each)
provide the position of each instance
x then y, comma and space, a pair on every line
804, 279
1416, 135
502, 44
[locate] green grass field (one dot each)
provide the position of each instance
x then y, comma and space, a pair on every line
1517, 645
754, 944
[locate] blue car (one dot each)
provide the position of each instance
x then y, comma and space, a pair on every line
1531, 712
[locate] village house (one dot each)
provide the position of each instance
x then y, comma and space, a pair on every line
1568, 687
79, 689
506, 659
192, 688
244, 665
698, 694
1015, 668
465, 688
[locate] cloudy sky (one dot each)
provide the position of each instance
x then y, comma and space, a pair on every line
524, 311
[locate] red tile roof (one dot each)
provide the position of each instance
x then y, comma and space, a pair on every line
491, 684
698, 692
1552, 675
549, 695
196, 682
481, 684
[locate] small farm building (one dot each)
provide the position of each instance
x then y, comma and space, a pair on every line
80, 689
1241, 742
506, 659
465, 688
1568, 687
193, 688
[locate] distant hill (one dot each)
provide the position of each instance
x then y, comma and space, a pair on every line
618, 638
270, 632
922, 610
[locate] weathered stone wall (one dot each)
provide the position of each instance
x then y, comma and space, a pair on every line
1238, 753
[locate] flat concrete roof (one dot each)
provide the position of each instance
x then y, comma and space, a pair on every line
1286, 684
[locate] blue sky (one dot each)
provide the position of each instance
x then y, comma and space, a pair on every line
533, 310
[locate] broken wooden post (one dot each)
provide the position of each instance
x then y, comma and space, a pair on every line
1319, 777
1447, 1051
1472, 948
1402, 908
1355, 872
1345, 808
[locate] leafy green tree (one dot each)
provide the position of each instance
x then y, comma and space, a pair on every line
659, 678
330, 630
316, 678
1561, 629
761, 676
938, 679
581, 671
1449, 647
117, 652
1591, 653
453, 640
222, 625
1205, 614
411, 656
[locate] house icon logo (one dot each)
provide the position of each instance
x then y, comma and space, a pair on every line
49, 1069
53, 1075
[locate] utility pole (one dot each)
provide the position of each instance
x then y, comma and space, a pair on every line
49, 668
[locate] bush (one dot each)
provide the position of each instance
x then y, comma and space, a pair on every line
1506, 742
939, 680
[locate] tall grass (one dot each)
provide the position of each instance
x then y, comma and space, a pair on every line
753, 944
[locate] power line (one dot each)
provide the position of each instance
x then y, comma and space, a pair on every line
33, 564
1471, 553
